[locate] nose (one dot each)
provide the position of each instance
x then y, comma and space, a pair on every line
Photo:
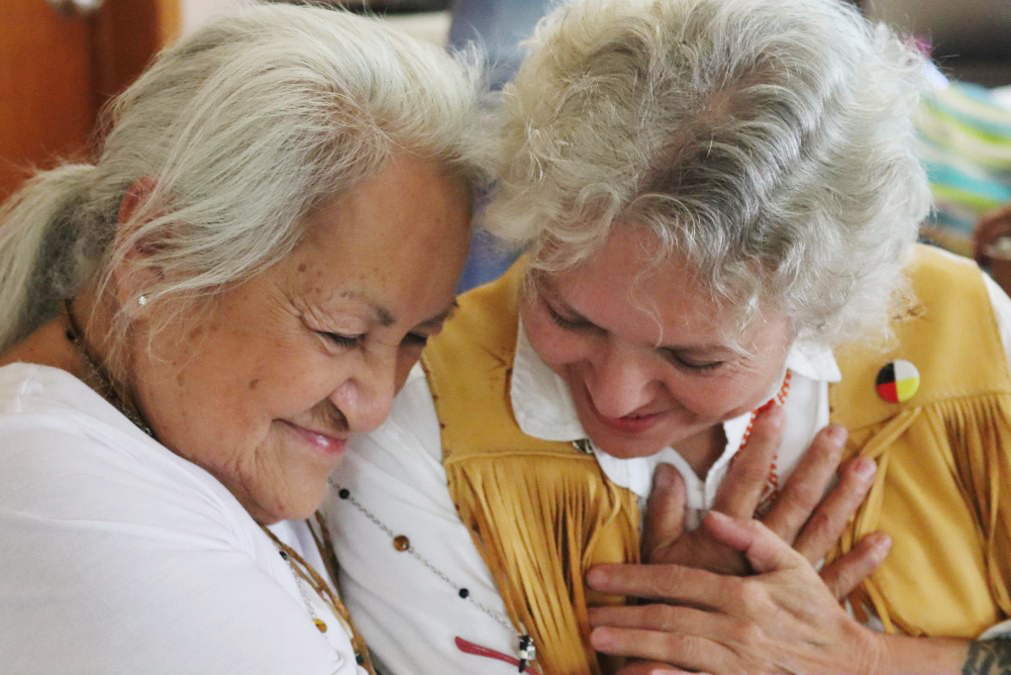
365, 397
621, 381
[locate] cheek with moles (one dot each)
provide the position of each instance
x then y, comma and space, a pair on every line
646, 358
265, 392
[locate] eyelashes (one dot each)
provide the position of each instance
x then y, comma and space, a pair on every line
564, 322
417, 340
343, 341
678, 361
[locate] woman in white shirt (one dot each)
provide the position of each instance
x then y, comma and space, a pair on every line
195, 325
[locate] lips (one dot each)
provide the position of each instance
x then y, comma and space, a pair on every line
630, 424
329, 446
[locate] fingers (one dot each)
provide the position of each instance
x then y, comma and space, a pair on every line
665, 511
806, 486
741, 490
657, 617
829, 519
682, 651
667, 583
766, 551
653, 668
844, 573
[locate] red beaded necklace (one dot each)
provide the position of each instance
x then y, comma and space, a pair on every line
771, 490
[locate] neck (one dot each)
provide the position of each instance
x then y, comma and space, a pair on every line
98, 371
47, 345
703, 449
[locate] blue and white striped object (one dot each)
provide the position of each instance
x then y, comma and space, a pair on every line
965, 143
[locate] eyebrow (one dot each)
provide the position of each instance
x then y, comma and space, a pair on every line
382, 314
385, 317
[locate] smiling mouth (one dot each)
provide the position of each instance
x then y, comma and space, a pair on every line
330, 446
630, 424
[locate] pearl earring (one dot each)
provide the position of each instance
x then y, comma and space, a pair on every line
142, 300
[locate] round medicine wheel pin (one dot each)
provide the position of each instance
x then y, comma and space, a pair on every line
898, 381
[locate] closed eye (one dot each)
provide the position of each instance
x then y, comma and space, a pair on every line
343, 341
415, 340
566, 323
690, 365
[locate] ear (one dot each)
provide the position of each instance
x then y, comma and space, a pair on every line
132, 276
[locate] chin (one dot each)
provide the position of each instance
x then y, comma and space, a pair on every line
626, 449
294, 507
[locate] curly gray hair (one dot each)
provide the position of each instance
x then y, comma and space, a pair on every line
241, 129
766, 142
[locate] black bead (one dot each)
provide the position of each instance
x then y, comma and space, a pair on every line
344, 493
284, 556
464, 593
360, 659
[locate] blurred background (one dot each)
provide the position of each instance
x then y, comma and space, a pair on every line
61, 60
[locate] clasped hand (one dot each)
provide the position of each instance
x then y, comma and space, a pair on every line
733, 596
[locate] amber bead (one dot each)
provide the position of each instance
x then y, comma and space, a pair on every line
401, 543
320, 624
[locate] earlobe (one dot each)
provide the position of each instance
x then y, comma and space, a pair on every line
132, 275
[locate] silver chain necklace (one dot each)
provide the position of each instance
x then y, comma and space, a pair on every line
526, 650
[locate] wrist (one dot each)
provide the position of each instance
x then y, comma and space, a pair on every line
904, 654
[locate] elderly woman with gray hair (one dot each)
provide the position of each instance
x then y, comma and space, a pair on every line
718, 201
196, 324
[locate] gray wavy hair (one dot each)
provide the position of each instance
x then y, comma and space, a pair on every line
241, 129
766, 142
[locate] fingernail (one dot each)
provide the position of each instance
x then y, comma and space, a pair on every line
775, 416
884, 544
716, 515
837, 434
596, 577
601, 640
663, 477
865, 468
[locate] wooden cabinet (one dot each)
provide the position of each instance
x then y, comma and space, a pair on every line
58, 68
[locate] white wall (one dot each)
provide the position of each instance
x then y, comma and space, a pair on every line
195, 12
432, 26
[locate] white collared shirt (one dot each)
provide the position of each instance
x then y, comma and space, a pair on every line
408, 608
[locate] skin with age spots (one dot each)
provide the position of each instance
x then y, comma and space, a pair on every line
313, 349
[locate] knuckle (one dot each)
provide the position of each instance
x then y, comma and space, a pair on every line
660, 617
752, 595
746, 633
821, 524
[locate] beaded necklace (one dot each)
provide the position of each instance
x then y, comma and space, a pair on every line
301, 569
304, 571
99, 378
526, 651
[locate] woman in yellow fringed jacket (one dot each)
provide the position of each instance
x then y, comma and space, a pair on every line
718, 202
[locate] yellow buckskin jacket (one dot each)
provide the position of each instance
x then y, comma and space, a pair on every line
541, 513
